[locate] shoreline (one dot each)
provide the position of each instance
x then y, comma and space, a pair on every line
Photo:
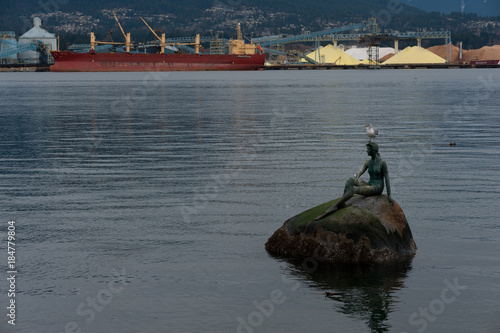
46, 68
360, 67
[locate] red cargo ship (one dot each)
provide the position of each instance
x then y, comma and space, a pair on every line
241, 56
66, 61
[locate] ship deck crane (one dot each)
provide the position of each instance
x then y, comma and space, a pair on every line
93, 42
110, 32
127, 35
162, 40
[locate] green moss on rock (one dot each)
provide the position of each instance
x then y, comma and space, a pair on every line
368, 229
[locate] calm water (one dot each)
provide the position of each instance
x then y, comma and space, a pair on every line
143, 201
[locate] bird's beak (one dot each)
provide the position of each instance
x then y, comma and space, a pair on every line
366, 125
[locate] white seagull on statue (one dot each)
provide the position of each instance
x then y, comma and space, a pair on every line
372, 132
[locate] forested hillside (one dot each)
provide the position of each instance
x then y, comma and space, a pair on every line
73, 20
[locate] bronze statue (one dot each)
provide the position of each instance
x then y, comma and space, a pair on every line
378, 171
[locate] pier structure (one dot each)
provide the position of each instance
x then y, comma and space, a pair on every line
373, 40
370, 36
366, 33
276, 45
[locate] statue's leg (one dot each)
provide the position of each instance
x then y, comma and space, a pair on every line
353, 181
349, 184
352, 186
369, 191
347, 195
339, 204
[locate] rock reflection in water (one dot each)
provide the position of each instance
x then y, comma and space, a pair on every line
364, 292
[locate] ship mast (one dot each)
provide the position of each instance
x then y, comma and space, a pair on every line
162, 39
127, 35
238, 32
94, 43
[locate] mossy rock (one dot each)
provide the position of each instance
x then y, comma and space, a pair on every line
366, 230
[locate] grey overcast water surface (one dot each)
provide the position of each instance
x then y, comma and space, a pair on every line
143, 201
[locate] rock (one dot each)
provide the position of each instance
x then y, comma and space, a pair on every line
366, 230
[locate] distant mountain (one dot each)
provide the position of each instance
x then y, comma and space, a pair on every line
74, 20
480, 7
182, 15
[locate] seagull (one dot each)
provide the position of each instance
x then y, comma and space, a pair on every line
371, 132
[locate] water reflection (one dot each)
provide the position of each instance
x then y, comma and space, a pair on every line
364, 292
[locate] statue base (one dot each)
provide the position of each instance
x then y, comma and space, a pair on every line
366, 230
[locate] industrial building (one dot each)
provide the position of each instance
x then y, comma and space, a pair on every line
364, 48
33, 47
37, 33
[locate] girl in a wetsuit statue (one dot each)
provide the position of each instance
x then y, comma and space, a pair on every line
377, 169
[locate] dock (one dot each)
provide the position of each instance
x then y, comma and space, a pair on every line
24, 68
362, 66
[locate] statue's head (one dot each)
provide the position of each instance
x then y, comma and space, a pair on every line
372, 148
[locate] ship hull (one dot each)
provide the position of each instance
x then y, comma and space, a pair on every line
65, 61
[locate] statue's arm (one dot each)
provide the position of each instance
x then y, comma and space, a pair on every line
387, 182
362, 170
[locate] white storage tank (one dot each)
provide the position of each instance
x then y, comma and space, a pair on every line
34, 34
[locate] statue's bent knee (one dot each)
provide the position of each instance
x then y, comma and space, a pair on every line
349, 184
